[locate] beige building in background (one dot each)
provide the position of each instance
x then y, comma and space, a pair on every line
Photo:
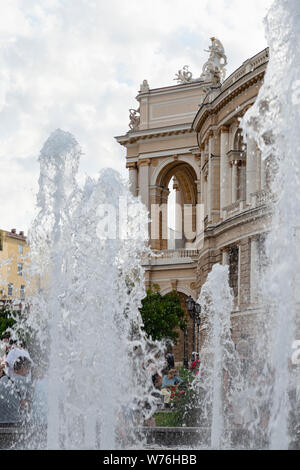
187, 138
14, 251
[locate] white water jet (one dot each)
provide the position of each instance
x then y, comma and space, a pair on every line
219, 364
87, 245
273, 122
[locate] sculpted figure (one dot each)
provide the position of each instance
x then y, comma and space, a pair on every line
134, 119
184, 76
144, 88
214, 69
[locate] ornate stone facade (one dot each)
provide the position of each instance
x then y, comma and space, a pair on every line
190, 134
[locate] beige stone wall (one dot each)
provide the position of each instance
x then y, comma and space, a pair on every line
170, 105
206, 261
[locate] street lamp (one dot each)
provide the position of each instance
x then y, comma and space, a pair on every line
197, 315
194, 310
185, 358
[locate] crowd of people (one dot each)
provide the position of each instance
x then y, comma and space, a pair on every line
169, 382
20, 391
17, 377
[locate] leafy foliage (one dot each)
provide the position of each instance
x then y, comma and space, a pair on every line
162, 315
184, 402
6, 320
186, 405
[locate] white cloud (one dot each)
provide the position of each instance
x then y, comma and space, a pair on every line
78, 65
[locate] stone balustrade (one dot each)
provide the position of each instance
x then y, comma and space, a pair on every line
233, 209
260, 198
248, 66
181, 253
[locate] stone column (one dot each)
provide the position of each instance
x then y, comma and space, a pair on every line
199, 209
254, 270
178, 217
239, 278
215, 188
210, 176
155, 202
164, 235
144, 189
243, 181
224, 166
144, 180
202, 161
205, 191
133, 177
234, 180
262, 173
251, 169
225, 257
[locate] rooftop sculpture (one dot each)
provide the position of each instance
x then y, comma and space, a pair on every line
184, 76
134, 119
213, 70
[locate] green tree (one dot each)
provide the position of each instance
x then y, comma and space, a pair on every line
162, 315
6, 320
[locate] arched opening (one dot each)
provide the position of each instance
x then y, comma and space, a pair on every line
173, 214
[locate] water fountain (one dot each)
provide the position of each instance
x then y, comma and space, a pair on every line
87, 281
219, 371
85, 256
266, 391
273, 123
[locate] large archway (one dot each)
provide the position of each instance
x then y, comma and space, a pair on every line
183, 177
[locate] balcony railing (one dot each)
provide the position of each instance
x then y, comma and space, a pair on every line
233, 209
180, 256
181, 253
260, 198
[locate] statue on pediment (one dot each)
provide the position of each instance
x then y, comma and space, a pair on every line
134, 117
144, 87
184, 75
214, 69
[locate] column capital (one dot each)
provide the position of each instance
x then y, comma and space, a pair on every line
255, 237
155, 188
131, 165
144, 162
198, 185
165, 191
223, 129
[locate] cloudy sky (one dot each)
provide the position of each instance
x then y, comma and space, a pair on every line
78, 64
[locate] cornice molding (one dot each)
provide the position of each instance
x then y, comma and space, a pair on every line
224, 97
132, 137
